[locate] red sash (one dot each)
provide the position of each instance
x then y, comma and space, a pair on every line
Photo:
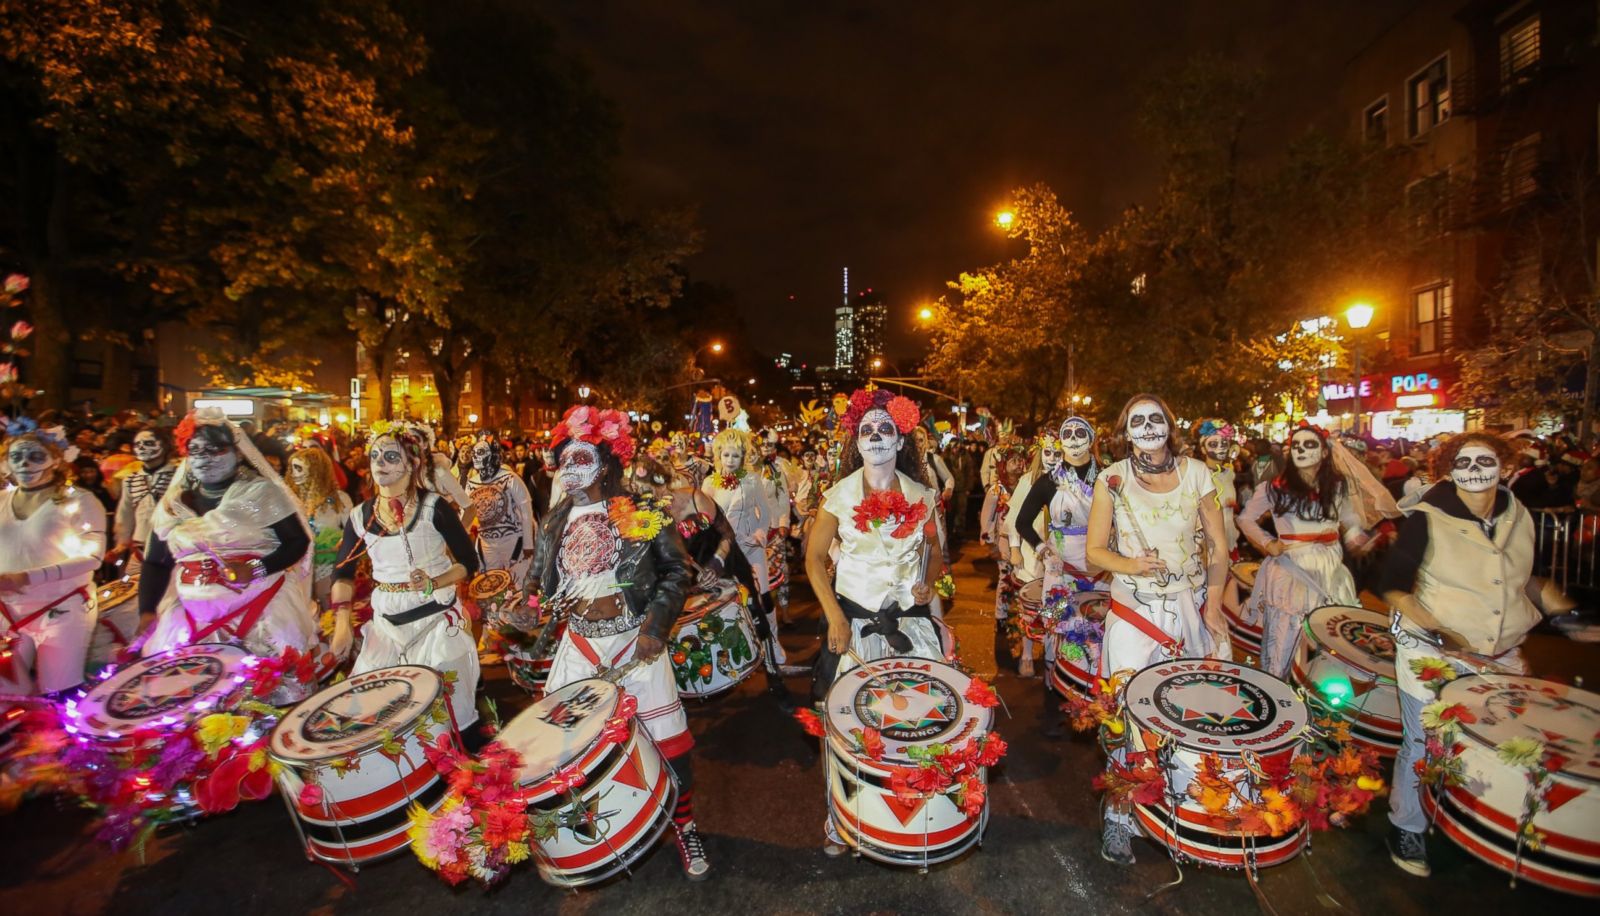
249, 613
1174, 647
17, 625
1322, 537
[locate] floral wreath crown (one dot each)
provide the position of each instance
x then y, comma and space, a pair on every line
902, 410
596, 427
54, 436
1047, 439
1216, 427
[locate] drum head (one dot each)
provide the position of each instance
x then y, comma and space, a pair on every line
489, 584
112, 594
1245, 571
1210, 706
558, 729
1564, 719
910, 701
1091, 605
355, 714
157, 690
699, 602
1359, 637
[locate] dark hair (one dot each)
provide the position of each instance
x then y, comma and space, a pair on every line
215, 434
1444, 457
611, 480
1291, 493
1118, 440
162, 435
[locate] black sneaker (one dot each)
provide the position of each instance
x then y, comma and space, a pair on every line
1408, 851
692, 850
1116, 843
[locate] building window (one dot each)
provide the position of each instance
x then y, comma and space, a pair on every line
1375, 123
1426, 200
1431, 319
1428, 95
1518, 169
400, 384
88, 373
466, 383
1519, 53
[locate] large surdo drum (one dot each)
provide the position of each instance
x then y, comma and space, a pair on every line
1346, 665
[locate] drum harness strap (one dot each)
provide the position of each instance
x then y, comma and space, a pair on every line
1173, 647
17, 625
247, 614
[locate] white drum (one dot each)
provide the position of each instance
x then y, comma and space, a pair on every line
911, 702
360, 742
714, 646
1238, 713
143, 701
1346, 665
118, 621
628, 793
1483, 813
1246, 637
16, 677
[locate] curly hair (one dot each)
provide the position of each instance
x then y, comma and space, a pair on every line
1120, 448
1444, 457
739, 437
318, 485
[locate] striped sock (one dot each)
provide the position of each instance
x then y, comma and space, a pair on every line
684, 814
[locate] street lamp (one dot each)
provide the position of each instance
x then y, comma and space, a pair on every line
583, 392
716, 346
1004, 219
1358, 315
925, 314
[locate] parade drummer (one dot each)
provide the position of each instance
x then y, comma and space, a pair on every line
1217, 442
230, 530
737, 487
1166, 590
52, 538
420, 554
1459, 578
504, 510
877, 600
144, 481
616, 567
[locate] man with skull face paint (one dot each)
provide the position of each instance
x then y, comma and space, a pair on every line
144, 482
504, 509
1459, 578
230, 529
616, 567
1149, 515
51, 541
1304, 566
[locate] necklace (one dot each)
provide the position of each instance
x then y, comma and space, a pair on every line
1145, 466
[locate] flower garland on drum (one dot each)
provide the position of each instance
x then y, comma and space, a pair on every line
714, 644
164, 773
886, 506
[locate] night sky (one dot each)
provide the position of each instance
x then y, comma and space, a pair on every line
884, 135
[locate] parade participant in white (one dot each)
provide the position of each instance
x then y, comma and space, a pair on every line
144, 482
876, 603
1150, 511
775, 486
615, 567
1304, 566
231, 530
504, 510
1217, 443
420, 554
1459, 577
325, 508
736, 486
51, 542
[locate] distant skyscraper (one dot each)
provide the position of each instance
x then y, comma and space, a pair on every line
844, 349
871, 316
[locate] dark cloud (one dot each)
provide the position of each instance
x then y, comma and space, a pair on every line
882, 135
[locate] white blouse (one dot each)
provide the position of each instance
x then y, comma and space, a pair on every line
1170, 522
875, 568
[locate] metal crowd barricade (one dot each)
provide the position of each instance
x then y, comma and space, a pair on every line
1567, 550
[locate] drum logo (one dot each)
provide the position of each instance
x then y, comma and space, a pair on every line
572, 711
907, 705
1369, 638
356, 711
165, 687
1214, 703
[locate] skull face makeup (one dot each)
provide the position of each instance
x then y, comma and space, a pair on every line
32, 465
299, 470
730, 459
1148, 427
1305, 449
388, 461
1049, 457
1077, 438
1476, 469
486, 458
878, 439
150, 451
210, 463
1218, 448
580, 465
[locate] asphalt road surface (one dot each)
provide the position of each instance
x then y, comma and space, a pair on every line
759, 800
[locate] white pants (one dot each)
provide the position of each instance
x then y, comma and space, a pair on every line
652, 685
60, 639
442, 642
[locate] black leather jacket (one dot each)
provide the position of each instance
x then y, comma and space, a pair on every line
655, 574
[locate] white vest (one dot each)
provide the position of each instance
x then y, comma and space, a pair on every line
1475, 586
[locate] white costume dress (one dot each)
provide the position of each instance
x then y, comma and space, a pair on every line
504, 509
141, 491
1309, 574
876, 570
1228, 499
59, 547
440, 638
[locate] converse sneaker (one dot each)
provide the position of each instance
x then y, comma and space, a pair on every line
1408, 851
1116, 843
692, 850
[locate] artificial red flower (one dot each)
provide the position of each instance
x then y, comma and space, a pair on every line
503, 824
871, 743
973, 795
904, 412
311, 795
811, 722
979, 693
885, 506
989, 751
183, 433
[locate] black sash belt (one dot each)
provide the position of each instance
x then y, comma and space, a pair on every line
886, 622
421, 611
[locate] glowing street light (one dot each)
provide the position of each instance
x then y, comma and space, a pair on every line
716, 346
1359, 315
925, 314
584, 391
1004, 219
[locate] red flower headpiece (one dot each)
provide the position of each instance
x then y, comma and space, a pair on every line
596, 427
902, 410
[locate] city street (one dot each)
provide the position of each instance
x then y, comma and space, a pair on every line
760, 801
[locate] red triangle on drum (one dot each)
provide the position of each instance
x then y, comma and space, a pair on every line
1559, 794
1360, 688
903, 810
630, 773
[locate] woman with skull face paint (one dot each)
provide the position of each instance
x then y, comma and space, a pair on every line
1303, 567
230, 529
1217, 443
419, 553
504, 510
737, 489
1149, 515
616, 567
325, 508
144, 482
1459, 578
1026, 564
52, 537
